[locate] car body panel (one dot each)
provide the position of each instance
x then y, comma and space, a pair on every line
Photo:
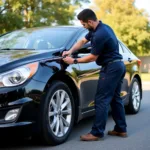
83, 77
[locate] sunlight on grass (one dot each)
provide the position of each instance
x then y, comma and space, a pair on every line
145, 76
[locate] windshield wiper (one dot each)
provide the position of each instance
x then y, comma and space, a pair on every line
16, 49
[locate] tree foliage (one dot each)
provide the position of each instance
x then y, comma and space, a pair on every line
129, 23
15, 14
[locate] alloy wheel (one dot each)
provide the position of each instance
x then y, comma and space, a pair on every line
136, 95
60, 113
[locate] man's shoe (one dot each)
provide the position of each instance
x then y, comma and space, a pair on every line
89, 137
115, 133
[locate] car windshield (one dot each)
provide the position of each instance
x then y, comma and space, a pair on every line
38, 39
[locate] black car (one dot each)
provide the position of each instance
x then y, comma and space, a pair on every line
40, 94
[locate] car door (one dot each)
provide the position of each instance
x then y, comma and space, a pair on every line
127, 58
87, 77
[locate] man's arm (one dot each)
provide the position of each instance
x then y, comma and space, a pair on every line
78, 45
75, 47
88, 58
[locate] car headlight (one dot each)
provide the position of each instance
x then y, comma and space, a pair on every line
18, 76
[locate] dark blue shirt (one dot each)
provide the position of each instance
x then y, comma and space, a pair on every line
104, 43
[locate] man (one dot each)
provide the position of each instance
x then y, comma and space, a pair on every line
105, 51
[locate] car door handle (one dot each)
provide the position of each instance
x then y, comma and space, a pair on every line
129, 59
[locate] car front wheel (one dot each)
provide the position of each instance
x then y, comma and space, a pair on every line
57, 114
134, 97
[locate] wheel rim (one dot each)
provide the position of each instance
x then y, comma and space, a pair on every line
136, 95
60, 113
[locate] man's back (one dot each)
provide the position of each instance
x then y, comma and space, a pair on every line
107, 48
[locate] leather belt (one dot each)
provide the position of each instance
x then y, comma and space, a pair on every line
114, 61
111, 62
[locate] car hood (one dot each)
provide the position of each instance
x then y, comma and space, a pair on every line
10, 59
7, 56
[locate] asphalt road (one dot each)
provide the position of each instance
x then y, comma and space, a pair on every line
138, 134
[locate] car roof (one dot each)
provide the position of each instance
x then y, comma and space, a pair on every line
69, 27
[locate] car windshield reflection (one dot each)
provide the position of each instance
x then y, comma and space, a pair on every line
39, 39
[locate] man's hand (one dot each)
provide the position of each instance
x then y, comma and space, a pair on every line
66, 53
75, 47
68, 60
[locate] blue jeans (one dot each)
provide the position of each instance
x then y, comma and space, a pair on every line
108, 93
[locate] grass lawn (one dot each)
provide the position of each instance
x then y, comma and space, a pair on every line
145, 76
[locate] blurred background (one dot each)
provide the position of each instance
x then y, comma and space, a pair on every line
130, 19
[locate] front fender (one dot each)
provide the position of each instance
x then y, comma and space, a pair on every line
46, 71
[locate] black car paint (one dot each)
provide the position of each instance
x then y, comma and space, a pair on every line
28, 95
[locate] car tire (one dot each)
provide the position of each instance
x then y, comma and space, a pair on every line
57, 120
134, 97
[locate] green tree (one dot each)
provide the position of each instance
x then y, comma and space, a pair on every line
9, 19
129, 23
15, 14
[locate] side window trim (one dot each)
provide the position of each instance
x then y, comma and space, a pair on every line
120, 47
125, 49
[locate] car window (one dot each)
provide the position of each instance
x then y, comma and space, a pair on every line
82, 35
125, 49
120, 48
47, 38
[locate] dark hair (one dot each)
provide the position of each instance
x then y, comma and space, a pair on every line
87, 14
